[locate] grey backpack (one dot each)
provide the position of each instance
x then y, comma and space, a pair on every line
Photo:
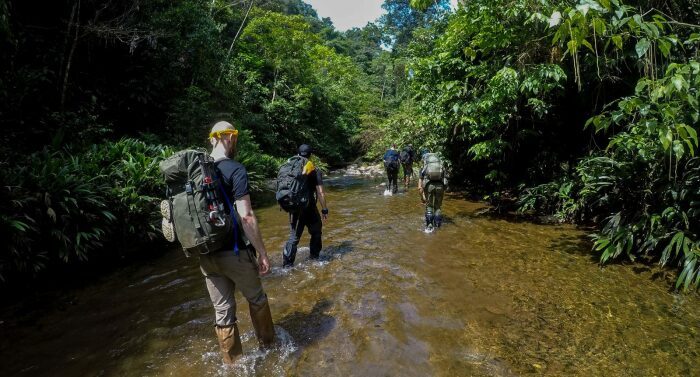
197, 203
434, 170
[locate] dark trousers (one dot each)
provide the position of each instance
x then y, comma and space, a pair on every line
393, 175
311, 219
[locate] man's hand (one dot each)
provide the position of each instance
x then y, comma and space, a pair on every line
324, 214
263, 264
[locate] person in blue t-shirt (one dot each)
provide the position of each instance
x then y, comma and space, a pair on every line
391, 164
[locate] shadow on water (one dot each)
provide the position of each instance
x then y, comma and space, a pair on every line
579, 244
310, 327
582, 245
336, 251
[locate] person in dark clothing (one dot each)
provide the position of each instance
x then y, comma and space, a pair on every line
431, 186
308, 217
391, 164
408, 156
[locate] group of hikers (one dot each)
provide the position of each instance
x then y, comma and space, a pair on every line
208, 210
431, 179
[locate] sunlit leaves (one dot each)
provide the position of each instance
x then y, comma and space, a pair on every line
641, 47
554, 19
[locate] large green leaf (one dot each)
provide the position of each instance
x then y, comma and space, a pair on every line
642, 47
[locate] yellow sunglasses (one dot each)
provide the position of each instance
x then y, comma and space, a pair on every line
218, 134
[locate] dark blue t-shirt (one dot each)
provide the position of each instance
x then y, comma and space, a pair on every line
235, 182
391, 155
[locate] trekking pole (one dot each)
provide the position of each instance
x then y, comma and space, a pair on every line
291, 217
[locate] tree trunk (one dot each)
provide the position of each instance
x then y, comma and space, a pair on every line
70, 55
274, 86
228, 54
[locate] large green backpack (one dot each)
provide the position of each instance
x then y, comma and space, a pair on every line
434, 170
196, 199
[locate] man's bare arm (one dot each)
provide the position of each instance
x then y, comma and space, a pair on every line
321, 196
322, 199
252, 231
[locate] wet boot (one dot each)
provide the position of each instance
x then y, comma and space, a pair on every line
438, 218
230, 343
288, 256
262, 322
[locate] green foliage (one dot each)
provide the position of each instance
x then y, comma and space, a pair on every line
258, 164
51, 210
644, 188
136, 184
487, 89
296, 89
401, 128
61, 207
653, 169
403, 17
513, 93
554, 197
165, 71
505, 92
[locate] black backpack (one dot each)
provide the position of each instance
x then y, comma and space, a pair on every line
292, 192
405, 156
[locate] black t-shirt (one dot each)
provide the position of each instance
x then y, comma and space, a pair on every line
234, 178
315, 179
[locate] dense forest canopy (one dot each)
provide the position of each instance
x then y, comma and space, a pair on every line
585, 110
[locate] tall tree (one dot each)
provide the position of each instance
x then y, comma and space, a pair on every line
401, 19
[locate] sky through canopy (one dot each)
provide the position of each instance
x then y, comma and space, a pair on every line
347, 14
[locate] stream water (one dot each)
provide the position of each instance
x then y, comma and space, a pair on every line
479, 297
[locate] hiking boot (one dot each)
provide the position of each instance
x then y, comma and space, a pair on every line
165, 210
168, 230
262, 322
230, 343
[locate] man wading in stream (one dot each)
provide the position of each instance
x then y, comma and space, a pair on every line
306, 214
227, 269
391, 164
431, 180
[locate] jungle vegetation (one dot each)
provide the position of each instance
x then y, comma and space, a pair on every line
584, 110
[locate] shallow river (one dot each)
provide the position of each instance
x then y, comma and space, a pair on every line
479, 297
